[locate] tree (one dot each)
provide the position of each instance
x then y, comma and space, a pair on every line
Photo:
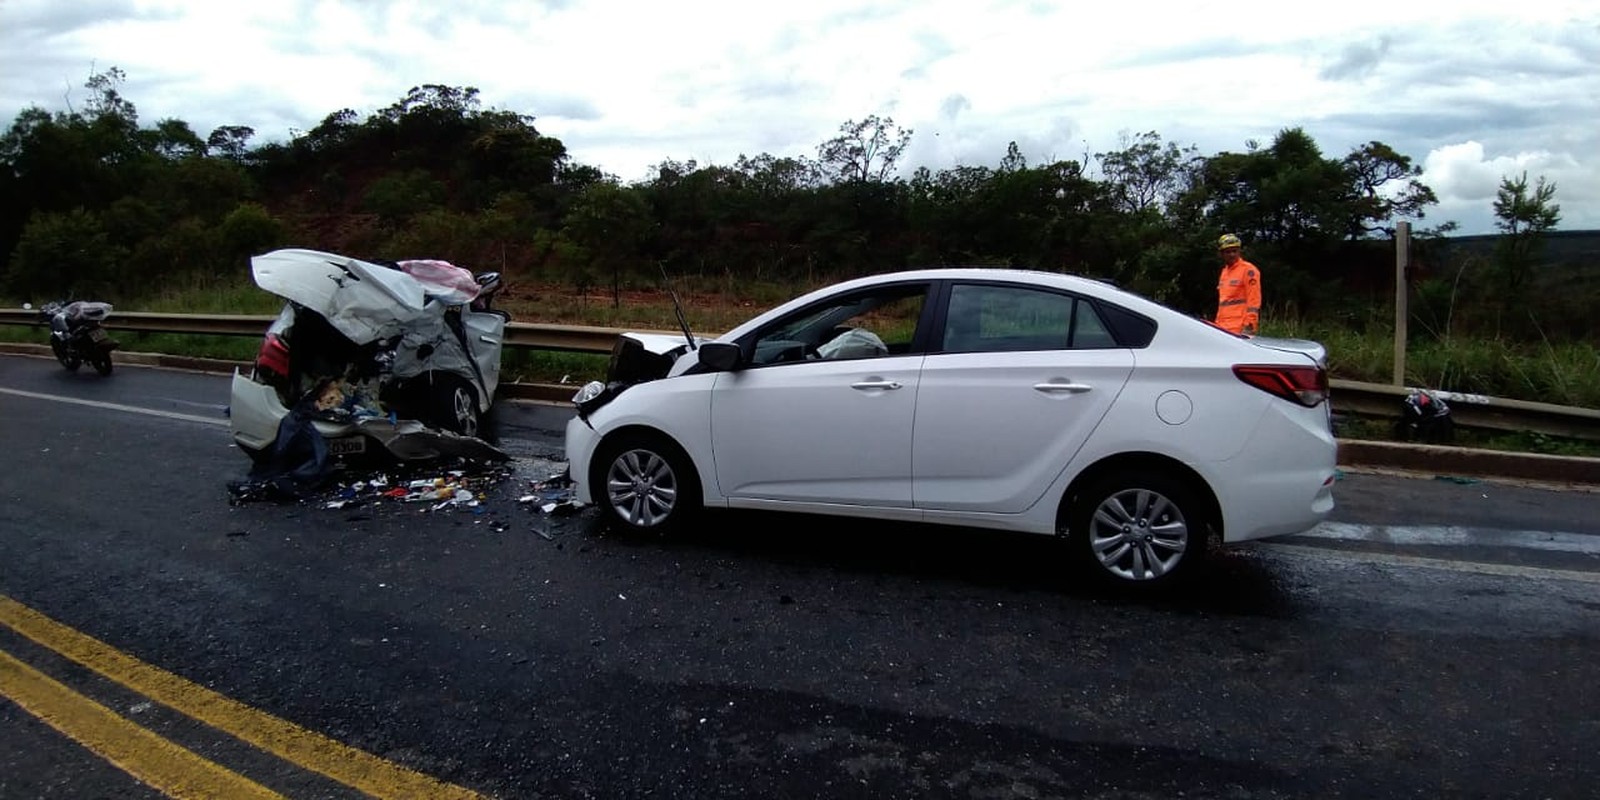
610, 222
230, 141
1523, 217
64, 255
396, 196
172, 139
1374, 170
865, 150
1145, 173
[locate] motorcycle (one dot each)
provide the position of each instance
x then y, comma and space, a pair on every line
76, 334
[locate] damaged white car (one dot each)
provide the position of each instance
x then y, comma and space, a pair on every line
400, 358
1025, 401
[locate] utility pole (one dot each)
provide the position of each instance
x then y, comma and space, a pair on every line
1402, 261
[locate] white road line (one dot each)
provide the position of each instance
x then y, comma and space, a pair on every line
153, 412
1395, 560
1457, 536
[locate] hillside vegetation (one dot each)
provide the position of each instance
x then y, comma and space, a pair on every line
96, 202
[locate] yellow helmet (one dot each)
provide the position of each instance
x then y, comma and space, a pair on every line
1228, 240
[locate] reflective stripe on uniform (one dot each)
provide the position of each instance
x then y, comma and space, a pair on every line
1240, 301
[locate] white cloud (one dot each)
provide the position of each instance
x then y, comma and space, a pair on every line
625, 84
1467, 180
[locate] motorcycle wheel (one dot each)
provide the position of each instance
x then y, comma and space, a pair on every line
65, 355
101, 362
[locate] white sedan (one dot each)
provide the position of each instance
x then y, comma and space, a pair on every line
1006, 399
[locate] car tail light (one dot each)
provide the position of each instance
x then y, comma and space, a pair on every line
1306, 386
273, 356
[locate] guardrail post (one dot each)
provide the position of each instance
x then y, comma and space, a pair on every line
1402, 260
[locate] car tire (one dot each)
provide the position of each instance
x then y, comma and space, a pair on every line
453, 404
645, 483
489, 423
1139, 531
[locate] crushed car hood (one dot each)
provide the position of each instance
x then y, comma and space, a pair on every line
364, 301
662, 344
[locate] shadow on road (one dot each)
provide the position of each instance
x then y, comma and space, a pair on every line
1230, 582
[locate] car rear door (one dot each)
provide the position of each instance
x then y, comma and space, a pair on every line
1022, 378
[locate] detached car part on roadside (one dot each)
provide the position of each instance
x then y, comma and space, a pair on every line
1003, 399
402, 356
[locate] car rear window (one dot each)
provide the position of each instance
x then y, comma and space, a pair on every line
1131, 329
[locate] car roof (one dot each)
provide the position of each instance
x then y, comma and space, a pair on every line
1058, 280
971, 273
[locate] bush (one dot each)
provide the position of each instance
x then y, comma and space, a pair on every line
64, 255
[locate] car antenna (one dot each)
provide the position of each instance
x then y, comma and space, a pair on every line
677, 307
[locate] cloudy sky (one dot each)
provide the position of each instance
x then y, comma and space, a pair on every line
1472, 90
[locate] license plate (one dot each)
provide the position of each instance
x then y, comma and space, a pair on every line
97, 335
349, 445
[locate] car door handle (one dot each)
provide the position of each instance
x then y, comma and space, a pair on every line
1053, 387
869, 385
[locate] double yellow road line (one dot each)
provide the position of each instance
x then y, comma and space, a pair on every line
168, 767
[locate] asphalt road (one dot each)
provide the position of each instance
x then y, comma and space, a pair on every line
1438, 638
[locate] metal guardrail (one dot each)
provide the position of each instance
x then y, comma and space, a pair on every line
1349, 397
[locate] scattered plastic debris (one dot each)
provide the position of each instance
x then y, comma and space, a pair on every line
449, 485
456, 485
553, 495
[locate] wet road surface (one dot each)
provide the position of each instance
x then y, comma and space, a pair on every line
1436, 639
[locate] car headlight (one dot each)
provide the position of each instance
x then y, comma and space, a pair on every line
590, 391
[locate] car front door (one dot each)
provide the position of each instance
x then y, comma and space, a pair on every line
1022, 378
823, 412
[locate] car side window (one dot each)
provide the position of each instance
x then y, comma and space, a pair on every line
998, 319
1089, 331
871, 324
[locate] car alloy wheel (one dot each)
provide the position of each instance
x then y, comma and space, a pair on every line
453, 403
1139, 530
646, 483
1138, 534
466, 412
642, 488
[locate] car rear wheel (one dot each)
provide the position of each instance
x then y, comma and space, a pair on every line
645, 483
1139, 531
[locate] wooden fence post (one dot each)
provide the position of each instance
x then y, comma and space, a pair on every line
1402, 260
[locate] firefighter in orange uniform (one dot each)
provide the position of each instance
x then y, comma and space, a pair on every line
1238, 289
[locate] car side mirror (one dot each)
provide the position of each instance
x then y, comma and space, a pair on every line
721, 356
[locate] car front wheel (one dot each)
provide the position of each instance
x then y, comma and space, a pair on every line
645, 483
1139, 531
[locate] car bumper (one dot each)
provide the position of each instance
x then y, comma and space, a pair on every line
255, 413
1282, 480
581, 441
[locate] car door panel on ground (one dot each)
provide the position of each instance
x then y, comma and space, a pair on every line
1000, 418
